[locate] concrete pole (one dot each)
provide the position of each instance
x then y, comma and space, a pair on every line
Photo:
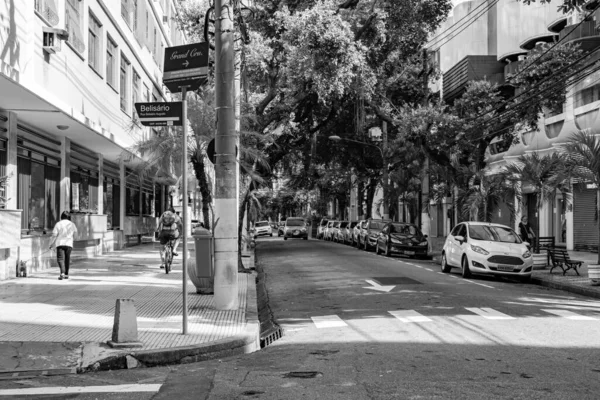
226, 236
384, 145
184, 212
425, 221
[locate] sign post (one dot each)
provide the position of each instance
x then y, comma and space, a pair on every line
185, 68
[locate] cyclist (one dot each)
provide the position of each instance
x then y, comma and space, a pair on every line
169, 228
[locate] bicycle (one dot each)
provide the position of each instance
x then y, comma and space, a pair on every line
169, 254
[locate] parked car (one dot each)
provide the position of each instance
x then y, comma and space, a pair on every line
321, 228
348, 232
402, 238
356, 232
295, 228
370, 232
328, 230
486, 248
262, 228
280, 228
332, 232
338, 235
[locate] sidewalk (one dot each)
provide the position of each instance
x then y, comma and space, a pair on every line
51, 325
570, 282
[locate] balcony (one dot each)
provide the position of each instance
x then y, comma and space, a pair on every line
584, 34
471, 68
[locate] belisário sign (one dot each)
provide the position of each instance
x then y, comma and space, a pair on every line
185, 65
160, 114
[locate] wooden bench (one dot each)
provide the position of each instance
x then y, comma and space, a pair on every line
560, 258
544, 243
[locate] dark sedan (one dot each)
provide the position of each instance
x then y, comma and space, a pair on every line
402, 238
370, 233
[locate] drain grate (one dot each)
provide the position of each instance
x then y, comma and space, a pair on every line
303, 374
268, 339
397, 280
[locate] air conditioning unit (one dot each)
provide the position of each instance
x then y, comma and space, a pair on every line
165, 19
52, 38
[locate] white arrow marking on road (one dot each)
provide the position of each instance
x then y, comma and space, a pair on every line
409, 316
186, 63
569, 315
378, 287
81, 389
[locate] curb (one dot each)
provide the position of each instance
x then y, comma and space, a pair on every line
244, 343
567, 288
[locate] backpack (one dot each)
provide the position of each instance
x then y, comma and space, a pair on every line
169, 222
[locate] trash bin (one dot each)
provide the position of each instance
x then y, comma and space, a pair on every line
202, 270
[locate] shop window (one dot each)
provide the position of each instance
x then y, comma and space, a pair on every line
3, 159
112, 203
84, 192
132, 201
73, 23
38, 192
111, 62
94, 43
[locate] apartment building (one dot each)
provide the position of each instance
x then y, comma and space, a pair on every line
488, 39
70, 73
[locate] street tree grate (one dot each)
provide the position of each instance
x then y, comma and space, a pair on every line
396, 280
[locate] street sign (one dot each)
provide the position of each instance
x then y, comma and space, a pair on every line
160, 114
185, 65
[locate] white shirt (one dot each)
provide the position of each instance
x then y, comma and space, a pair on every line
64, 230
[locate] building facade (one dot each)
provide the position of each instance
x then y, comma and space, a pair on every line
488, 39
70, 73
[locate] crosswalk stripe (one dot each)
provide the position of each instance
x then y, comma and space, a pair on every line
489, 313
81, 389
569, 315
328, 321
409, 316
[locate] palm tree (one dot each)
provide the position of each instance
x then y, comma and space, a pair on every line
583, 154
547, 174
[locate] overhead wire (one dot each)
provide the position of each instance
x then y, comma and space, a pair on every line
446, 32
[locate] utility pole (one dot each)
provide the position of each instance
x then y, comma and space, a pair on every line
384, 144
226, 229
425, 221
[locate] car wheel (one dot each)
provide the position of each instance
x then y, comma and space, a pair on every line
377, 248
271, 235
284, 238
445, 267
366, 245
305, 238
388, 253
466, 272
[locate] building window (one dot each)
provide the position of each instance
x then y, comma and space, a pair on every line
47, 9
84, 191
160, 55
38, 191
112, 203
146, 93
73, 22
132, 201
124, 80
111, 61
125, 8
587, 96
135, 91
3, 162
154, 45
147, 25
135, 14
94, 43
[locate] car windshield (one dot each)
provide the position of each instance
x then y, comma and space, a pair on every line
264, 223
344, 224
408, 230
493, 234
353, 224
324, 222
294, 222
376, 225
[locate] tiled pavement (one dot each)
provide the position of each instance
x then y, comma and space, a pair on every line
41, 308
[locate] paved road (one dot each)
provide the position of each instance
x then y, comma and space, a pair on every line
362, 326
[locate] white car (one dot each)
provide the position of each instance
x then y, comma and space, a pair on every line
486, 248
263, 228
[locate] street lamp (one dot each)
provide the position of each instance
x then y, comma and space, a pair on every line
384, 186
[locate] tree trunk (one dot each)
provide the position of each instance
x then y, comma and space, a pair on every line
359, 198
241, 212
598, 219
370, 195
205, 190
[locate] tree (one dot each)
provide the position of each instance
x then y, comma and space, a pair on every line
583, 154
546, 174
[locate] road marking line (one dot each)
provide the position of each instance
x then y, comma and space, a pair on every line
328, 321
409, 316
81, 389
480, 284
489, 313
569, 315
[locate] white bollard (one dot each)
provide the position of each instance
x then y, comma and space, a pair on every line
125, 326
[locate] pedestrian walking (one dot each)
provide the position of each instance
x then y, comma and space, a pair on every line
62, 238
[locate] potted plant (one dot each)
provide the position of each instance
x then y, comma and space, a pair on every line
583, 153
